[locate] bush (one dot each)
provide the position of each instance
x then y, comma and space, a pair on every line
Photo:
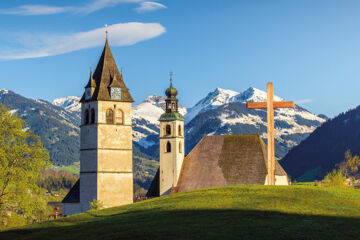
96, 205
335, 178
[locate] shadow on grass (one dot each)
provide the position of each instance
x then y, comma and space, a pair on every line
198, 224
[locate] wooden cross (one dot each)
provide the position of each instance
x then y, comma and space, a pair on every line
270, 105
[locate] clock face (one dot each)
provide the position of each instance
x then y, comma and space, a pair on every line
115, 93
87, 93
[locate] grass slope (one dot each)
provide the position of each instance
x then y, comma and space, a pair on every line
237, 212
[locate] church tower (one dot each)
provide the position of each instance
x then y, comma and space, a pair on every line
171, 142
106, 171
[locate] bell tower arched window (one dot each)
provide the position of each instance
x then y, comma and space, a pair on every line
86, 116
179, 130
168, 130
119, 116
180, 147
92, 116
109, 116
168, 147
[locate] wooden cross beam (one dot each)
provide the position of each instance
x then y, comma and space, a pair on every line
270, 105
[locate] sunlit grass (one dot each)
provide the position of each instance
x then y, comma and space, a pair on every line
254, 212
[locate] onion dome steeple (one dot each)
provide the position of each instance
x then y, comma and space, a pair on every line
171, 109
171, 92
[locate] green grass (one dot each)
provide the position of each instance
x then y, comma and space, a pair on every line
75, 168
237, 212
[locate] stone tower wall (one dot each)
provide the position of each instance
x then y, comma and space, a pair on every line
106, 156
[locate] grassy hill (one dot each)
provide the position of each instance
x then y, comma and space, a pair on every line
237, 212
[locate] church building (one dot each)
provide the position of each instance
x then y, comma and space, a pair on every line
215, 161
106, 171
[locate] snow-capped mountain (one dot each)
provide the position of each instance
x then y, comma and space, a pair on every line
292, 124
145, 119
212, 100
221, 96
220, 112
70, 103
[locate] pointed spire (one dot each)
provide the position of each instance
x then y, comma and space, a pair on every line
108, 75
91, 82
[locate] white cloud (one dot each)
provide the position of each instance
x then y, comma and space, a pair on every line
149, 6
42, 45
92, 6
96, 5
35, 10
302, 101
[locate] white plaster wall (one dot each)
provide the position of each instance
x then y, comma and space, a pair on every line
170, 162
281, 180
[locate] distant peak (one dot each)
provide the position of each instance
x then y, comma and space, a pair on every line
4, 91
153, 98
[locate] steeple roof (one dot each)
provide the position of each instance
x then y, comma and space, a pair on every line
106, 74
91, 82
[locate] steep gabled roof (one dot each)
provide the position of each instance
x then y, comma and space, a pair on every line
225, 160
106, 71
154, 189
73, 195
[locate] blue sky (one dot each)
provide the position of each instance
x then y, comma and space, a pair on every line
309, 49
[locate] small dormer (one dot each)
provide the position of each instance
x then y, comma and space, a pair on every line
90, 87
115, 87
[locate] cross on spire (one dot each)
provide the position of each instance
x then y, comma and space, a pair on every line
106, 30
171, 74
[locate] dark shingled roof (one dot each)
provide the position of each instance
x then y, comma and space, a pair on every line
223, 161
73, 195
106, 74
154, 189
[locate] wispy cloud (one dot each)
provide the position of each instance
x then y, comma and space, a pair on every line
41, 45
149, 6
92, 6
35, 10
302, 101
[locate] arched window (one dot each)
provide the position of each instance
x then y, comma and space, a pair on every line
92, 115
119, 116
180, 147
109, 116
168, 129
179, 129
86, 117
168, 147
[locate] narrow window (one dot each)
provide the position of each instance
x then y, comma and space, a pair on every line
180, 147
168, 147
119, 116
168, 129
86, 116
173, 106
180, 132
109, 116
92, 116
